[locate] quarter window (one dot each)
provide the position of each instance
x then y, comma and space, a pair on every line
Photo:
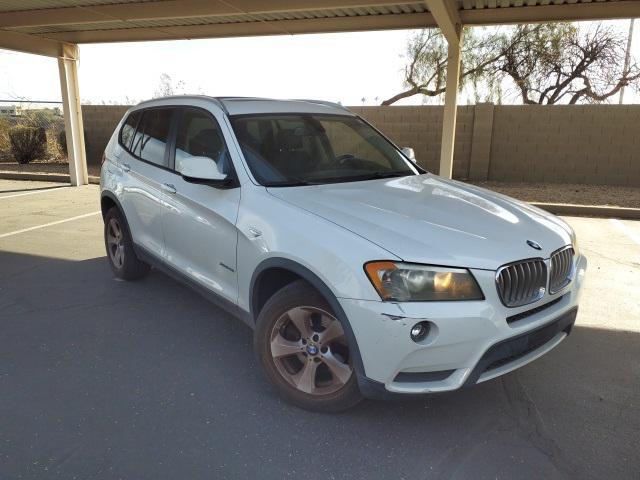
150, 139
129, 129
199, 135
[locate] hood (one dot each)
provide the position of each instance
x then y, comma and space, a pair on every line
427, 219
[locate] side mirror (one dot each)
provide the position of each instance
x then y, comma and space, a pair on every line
409, 153
199, 168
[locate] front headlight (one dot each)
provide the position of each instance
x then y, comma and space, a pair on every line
408, 282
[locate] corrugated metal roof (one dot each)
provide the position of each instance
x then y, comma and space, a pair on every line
86, 21
22, 5
480, 4
398, 9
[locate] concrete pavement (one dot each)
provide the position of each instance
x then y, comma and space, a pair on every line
107, 379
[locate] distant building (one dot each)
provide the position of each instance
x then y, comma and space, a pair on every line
10, 111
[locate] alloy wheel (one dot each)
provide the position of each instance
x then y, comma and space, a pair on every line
115, 243
310, 351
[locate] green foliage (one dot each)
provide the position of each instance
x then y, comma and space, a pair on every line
61, 138
27, 143
5, 145
44, 117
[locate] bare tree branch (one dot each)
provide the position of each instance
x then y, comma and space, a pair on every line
552, 62
425, 72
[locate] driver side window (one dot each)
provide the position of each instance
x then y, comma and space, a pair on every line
199, 135
346, 143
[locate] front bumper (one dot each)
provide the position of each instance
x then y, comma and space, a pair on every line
469, 342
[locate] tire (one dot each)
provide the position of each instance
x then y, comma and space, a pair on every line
120, 253
303, 351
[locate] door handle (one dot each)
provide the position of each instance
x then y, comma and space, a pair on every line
169, 188
125, 167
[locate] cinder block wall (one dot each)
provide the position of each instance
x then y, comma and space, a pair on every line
596, 144
99, 122
593, 144
421, 129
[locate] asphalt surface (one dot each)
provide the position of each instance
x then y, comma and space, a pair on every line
146, 380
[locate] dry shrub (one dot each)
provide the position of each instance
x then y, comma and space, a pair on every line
27, 143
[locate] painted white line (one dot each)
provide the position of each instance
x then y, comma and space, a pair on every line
626, 230
57, 222
53, 189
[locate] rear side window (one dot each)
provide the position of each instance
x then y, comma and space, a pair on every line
129, 129
199, 135
150, 140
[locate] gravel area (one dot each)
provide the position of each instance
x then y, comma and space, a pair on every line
603, 195
577, 194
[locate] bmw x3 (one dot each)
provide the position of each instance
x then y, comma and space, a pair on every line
360, 273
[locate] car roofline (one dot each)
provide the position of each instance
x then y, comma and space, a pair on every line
223, 101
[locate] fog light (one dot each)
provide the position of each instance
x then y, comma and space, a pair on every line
419, 331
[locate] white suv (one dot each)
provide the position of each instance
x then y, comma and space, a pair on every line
361, 274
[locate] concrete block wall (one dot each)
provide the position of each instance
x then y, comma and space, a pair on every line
99, 122
596, 144
593, 144
421, 129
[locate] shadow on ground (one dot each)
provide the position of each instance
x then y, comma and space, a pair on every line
106, 379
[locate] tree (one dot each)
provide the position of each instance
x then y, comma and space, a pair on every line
548, 63
166, 88
560, 63
426, 70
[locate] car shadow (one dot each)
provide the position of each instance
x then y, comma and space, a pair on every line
105, 379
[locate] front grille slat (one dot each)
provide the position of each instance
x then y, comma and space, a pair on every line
531, 285
522, 282
561, 269
507, 284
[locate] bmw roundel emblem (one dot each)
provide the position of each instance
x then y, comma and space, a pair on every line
533, 244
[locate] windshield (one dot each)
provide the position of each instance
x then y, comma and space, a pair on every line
308, 149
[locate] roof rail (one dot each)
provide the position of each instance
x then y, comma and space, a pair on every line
217, 100
323, 102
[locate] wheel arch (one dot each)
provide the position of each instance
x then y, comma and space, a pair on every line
281, 272
109, 200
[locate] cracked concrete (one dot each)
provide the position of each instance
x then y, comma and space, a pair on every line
104, 379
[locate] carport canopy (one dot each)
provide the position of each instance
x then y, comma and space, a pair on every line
55, 28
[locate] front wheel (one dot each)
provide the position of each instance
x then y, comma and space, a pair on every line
304, 352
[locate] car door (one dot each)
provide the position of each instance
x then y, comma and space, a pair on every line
144, 169
200, 218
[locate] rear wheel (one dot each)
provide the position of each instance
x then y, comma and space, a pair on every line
304, 352
120, 253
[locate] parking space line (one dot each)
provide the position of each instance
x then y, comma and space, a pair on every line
57, 222
52, 189
626, 230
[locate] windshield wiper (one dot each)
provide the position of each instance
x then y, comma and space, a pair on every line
298, 182
293, 182
377, 175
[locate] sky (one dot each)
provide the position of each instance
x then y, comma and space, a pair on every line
342, 67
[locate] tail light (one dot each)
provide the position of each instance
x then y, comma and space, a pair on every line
104, 157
